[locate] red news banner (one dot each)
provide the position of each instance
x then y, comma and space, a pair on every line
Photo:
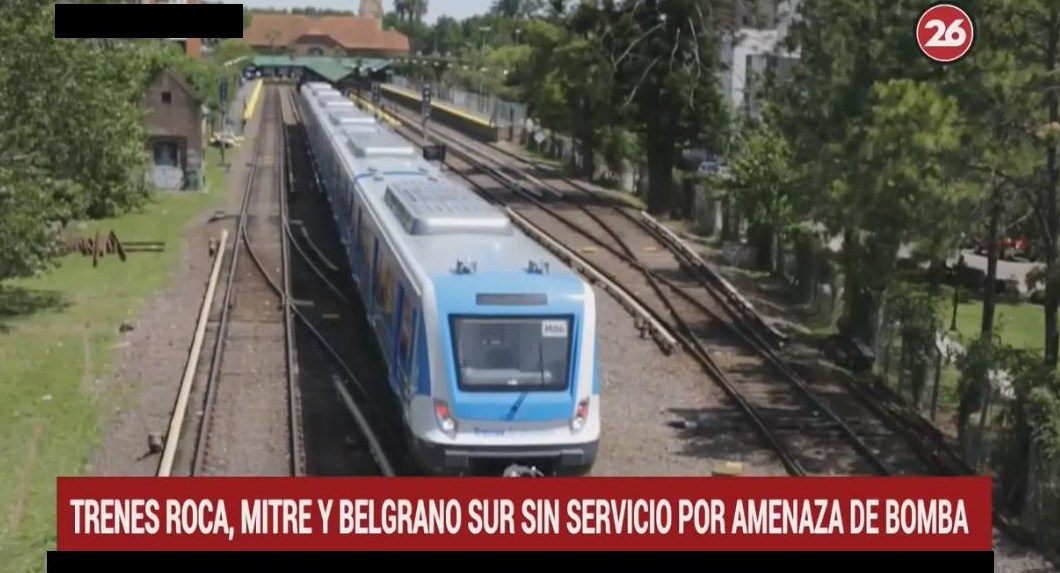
306, 514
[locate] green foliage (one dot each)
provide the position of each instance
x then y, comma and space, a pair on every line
410, 10
229, 49
517, 8
1033, 405
665, 61
72, 147
1037, 405
761, 176
73, 111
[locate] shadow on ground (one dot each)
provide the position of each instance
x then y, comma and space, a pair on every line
17, 302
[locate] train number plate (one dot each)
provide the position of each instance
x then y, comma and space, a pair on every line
554, 329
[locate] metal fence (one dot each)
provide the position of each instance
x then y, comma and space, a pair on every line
499, 112
987, 443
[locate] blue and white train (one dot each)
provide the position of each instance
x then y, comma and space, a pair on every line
489, 340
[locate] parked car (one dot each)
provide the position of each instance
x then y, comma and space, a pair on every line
1011, 248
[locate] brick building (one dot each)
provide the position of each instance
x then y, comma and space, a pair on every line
334, 36
176, 127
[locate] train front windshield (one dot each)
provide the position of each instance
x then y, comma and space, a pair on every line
523, 353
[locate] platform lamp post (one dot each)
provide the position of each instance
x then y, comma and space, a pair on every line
425, 111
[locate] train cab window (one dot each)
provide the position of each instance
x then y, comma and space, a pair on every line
518, 353
384, 287
407, 328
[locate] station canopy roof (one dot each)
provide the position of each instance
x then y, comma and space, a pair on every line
333, 69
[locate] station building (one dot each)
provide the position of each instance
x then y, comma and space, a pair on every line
328, 36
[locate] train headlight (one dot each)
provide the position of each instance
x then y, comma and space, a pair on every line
445, 417
580, 414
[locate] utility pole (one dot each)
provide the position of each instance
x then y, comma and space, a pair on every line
376, 97
223, 89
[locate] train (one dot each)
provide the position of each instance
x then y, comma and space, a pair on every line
489, 341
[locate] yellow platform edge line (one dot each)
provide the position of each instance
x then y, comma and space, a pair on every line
253, 103
441, 106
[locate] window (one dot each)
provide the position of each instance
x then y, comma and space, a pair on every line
408, 327
167, 97
365, 243
166, 153
384, 287
517, 353
316, 51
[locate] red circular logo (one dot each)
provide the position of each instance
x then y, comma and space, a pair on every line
945, 33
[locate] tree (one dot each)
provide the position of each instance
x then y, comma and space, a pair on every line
760, 179
72, 146
851, 111
664, 57
410, 10
517, 8
229, 50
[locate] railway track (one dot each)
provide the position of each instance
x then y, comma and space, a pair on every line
269, 394
252, 356
332, 312
808, 433
893, 420
885, 402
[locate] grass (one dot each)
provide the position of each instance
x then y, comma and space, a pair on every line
57, 338
1020, 324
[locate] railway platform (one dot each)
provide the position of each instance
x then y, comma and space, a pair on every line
466, 121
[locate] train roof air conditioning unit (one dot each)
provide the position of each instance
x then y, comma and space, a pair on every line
346, 116
379, 143
432, 207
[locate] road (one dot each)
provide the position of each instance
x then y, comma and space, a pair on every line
1006, 270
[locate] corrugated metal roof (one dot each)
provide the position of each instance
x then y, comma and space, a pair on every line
351, 63
332, 69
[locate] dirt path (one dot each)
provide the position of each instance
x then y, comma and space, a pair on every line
153, 355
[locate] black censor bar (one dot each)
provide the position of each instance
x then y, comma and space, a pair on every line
844, 562
149, 21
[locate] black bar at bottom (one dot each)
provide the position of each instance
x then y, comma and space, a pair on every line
846, 562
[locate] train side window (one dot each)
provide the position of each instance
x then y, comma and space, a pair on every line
366, 240
384, 287
408, 326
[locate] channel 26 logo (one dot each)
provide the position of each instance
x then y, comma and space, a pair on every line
945, 33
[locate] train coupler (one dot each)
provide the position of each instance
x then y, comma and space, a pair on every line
516, 470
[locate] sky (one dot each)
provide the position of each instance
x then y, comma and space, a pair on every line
458, 9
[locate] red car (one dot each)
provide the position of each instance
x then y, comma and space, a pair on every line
1010, 248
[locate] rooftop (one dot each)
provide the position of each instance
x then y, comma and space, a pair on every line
331, 69
428, 207
350, 32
